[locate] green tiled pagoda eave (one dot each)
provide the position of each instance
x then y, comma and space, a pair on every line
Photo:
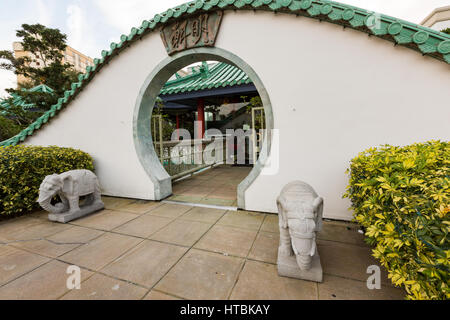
220, 75
413, 36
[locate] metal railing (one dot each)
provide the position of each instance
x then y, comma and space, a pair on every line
180, 158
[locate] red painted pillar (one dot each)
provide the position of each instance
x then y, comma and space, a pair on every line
201, 117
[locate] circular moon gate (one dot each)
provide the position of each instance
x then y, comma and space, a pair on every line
147, 98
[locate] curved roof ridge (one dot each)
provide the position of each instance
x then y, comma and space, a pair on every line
419, 38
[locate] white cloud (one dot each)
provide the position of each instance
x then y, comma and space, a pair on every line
80, 32
123, 15
44, 13
7, 80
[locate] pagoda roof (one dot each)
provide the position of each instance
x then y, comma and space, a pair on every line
20, 102
220, 75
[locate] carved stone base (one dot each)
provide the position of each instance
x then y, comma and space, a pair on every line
288, 267
67, 216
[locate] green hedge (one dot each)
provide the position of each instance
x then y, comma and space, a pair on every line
401, 196
22, 169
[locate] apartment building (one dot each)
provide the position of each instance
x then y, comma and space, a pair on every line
72, 56
439, 19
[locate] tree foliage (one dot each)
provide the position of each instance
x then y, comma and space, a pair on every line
446, 31
43, 66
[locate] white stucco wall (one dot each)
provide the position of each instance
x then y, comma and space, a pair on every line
334, 93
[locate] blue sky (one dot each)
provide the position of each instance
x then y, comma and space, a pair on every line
91, 25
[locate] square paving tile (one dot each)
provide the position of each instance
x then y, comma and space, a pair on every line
270, 224
100, 287
184, 198
101, 251
227, 240
105, 220
15, 262
179, 188
157, 295
169, 210
47, 282
76, 235
265, 247
211, 183
341, 232
26, 228
242, 219
139, 206
260, 281
39, 214
144, 226
347, 260
337, 288
202, 275
45, 247
201, 214
223, 194
146, 264
182, 232
197, 191
114, 202
217, 201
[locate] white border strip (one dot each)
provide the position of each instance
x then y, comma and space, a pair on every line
211, 206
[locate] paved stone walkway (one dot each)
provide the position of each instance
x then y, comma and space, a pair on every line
215, 186
152, 250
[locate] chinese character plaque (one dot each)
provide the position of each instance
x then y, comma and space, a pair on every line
198, 31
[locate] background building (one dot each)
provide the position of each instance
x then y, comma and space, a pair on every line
72, 56
439, 19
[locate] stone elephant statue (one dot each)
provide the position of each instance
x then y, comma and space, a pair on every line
300, 217
70, 186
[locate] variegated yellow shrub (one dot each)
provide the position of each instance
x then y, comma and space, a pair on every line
22, 169
401, 196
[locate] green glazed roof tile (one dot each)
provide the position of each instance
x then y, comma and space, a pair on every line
19, 102
413, 36
220, 75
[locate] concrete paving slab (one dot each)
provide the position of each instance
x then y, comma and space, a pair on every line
157, 295
76, 234
202, 275
242, 219
341, 232
201, 214
265, 247
46, 247
260, 281
337, 288
270, 224
101, 251
114, 202
146, 264
105, 220
139, 206
101, 287
26, 228
144, 226
15, 262
181, 232
47, 282
347, 260
170, 210
227, 240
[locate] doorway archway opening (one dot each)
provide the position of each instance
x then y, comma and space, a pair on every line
149, 96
